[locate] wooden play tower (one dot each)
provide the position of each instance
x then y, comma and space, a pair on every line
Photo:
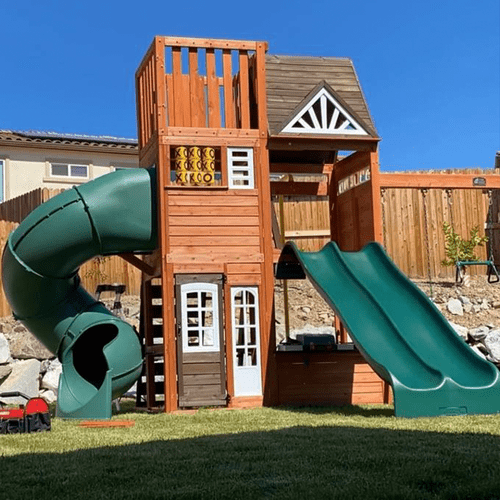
219, 119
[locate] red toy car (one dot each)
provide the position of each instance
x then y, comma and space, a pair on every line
32, 417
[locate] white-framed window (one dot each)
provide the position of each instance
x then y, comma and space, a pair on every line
2, 181
240, 168
245, 309
246, 341
78, 171
200, 317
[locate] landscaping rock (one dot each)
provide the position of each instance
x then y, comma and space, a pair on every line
23, 378
51, 378
478, 351
4, 350
49, 396
24, 345
479, 333
492, 343
455, 307
462, 331
5, 371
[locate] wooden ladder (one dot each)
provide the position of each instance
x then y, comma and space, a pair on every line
150, 386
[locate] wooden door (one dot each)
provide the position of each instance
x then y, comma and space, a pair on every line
200, 341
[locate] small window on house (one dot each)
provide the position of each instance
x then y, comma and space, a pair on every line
69, 170
240, 168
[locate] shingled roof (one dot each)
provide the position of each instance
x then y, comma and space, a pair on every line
37, 138
291, 79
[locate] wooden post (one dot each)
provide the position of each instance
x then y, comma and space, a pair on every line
376, 200
284, 282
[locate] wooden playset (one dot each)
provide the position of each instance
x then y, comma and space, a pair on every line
223, 127
227, 126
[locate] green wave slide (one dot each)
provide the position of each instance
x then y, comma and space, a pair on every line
100, 354
399, 331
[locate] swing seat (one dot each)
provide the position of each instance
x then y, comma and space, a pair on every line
493, 276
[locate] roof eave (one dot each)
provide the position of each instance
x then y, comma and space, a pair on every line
323, 142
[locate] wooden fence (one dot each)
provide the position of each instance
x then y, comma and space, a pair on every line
413, 237
413, 227
306, 220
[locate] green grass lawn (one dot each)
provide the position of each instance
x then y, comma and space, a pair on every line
307, 453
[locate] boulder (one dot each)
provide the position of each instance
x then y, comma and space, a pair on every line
49, 396
50, 380
478, 351
492, 343
461, 331
479, 333
24, 345
5, 371
4, 350
467, 304
455, 307
23, 378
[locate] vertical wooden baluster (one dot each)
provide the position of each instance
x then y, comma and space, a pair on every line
228, 90
213, 91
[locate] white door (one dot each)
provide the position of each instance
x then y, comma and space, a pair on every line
246, 343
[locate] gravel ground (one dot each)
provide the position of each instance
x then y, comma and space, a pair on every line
306, 307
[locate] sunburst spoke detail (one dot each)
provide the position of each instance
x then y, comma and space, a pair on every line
324, 114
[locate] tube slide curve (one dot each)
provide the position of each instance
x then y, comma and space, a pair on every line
101, 354
399, 331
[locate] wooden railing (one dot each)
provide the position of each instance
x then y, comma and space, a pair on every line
146, 91
200, 84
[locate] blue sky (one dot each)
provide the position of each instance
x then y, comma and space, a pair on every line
430, 70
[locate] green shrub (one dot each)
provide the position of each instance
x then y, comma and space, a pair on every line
458, 249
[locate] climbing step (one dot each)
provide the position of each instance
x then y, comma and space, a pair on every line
150, 386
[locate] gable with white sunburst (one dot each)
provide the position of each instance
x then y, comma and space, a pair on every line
323, 114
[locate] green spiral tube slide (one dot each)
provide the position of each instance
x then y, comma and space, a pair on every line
100, 354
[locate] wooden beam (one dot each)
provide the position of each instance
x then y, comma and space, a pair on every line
210, 43
302, 188
211, 132
313, 233
439, 181
138, 263
322, 143
297, 168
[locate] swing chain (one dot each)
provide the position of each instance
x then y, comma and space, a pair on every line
490, 224
449, 196
427, 242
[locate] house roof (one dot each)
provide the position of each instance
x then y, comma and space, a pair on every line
291, 79
35, 138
